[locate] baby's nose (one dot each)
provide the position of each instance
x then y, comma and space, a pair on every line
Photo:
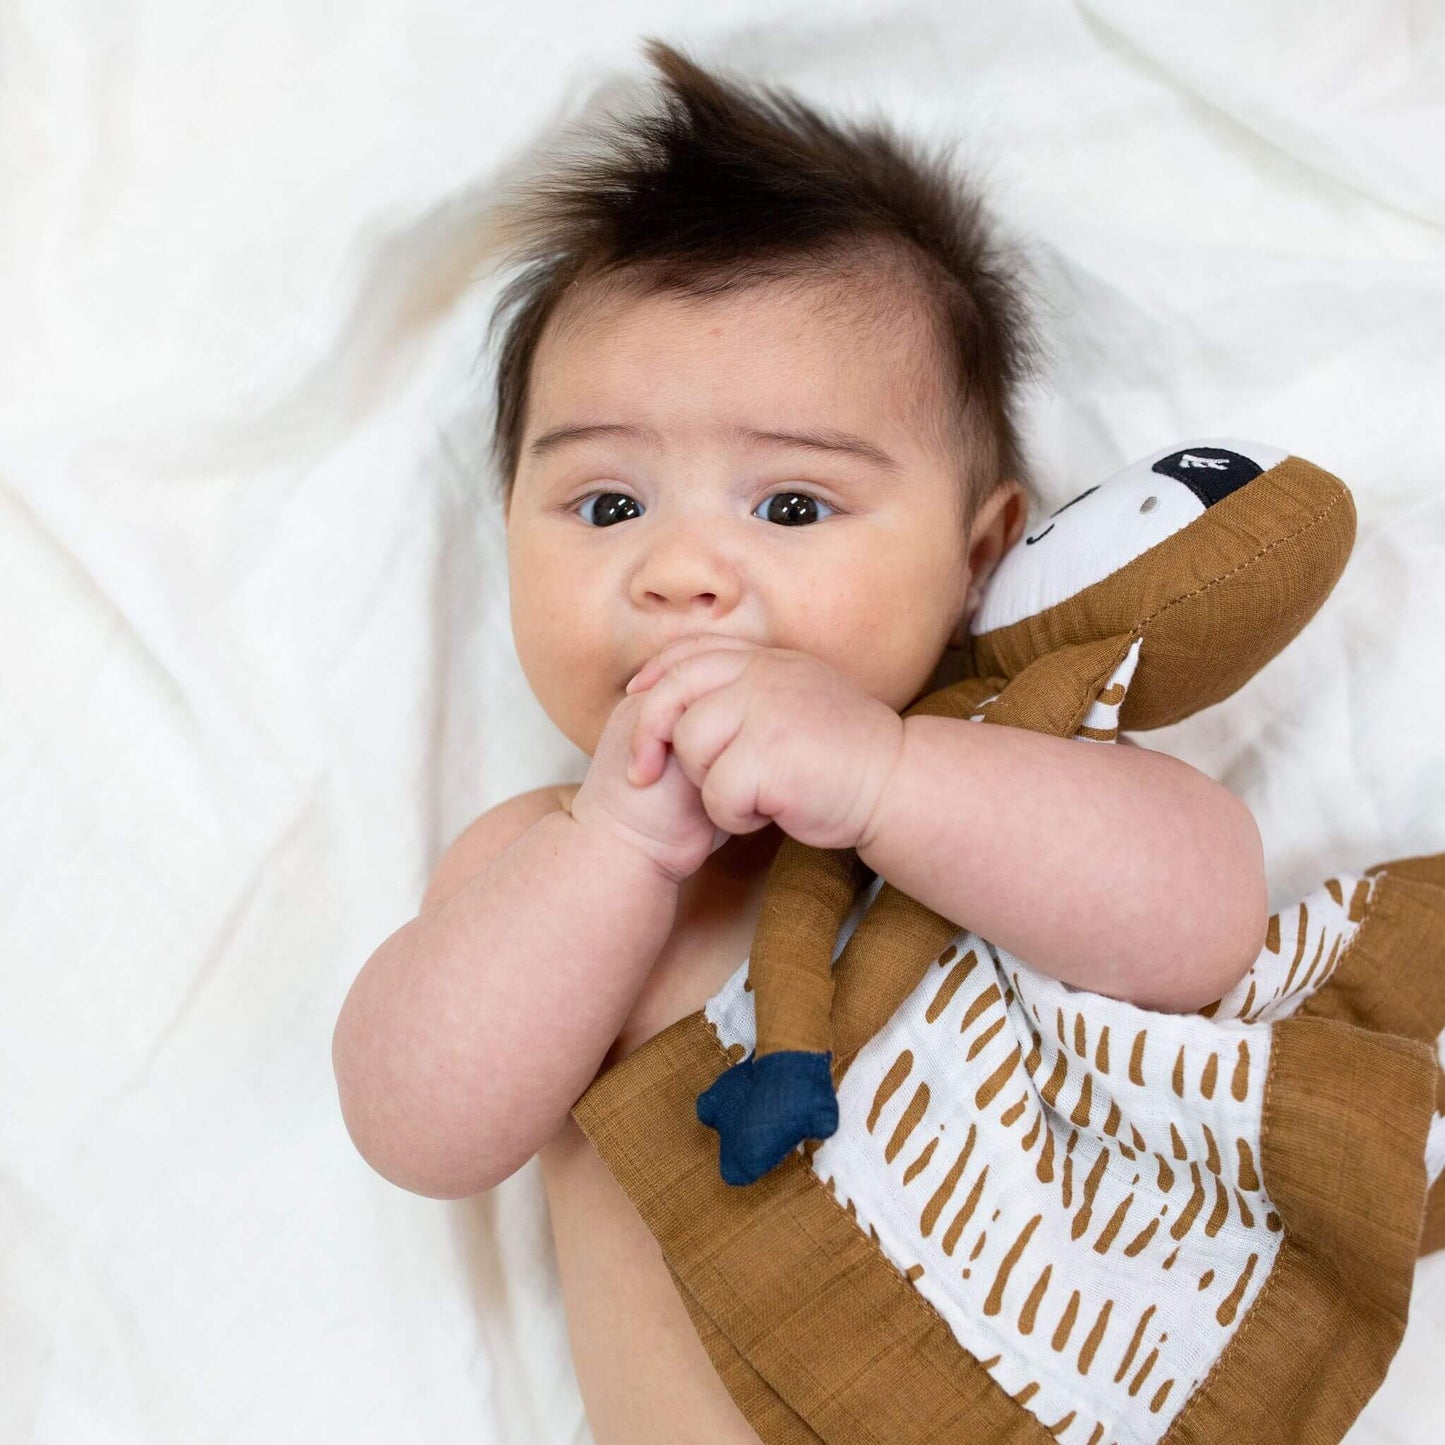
692, 570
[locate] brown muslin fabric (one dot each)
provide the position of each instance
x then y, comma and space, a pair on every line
818, 1335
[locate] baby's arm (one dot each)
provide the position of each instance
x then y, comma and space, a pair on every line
1116, 869
470, 1033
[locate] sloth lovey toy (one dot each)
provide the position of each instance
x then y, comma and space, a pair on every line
912, 1190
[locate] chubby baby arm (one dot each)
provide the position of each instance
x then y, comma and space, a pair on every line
472, 1030
1116, 869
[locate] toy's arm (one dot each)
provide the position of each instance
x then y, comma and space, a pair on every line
1119, 870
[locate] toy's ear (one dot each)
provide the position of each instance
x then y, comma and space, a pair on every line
1214, 555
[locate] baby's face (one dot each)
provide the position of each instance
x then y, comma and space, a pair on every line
676, 513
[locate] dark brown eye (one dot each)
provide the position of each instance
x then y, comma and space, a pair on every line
611, 507
794, 509
787, 508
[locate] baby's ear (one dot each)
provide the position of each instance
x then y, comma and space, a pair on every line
1019, 518
1000, 523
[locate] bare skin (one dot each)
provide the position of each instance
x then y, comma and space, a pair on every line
642, 1371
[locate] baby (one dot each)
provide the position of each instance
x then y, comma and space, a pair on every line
742, 322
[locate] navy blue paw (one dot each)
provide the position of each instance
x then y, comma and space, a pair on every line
763, 1108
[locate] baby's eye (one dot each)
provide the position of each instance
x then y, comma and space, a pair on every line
615, 510
794, 511
795, 508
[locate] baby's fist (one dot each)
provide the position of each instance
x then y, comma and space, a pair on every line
768, 735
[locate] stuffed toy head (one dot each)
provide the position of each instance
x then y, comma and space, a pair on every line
909, 1187
1169, 553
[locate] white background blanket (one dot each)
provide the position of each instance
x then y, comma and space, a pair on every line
255, 662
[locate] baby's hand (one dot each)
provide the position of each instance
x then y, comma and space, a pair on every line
665, 820
767, 735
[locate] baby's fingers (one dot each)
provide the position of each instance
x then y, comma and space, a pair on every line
646, 759
668, 698
651, 733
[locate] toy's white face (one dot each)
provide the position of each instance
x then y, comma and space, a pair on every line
649, 503
1105, 527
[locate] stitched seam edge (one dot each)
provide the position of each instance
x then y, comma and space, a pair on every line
1249, 561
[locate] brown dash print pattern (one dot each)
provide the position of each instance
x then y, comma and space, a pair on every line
1062, 1175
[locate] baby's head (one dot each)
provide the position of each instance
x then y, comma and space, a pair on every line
758, 378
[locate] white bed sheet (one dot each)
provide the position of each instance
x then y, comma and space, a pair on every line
257, 668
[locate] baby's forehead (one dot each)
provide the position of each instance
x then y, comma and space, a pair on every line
874, 325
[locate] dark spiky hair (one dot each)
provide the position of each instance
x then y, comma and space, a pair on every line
727, 188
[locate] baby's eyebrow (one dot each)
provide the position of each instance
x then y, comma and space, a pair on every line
819, 439
823, 439
560, 436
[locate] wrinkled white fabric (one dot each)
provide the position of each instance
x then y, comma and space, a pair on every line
255, 662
